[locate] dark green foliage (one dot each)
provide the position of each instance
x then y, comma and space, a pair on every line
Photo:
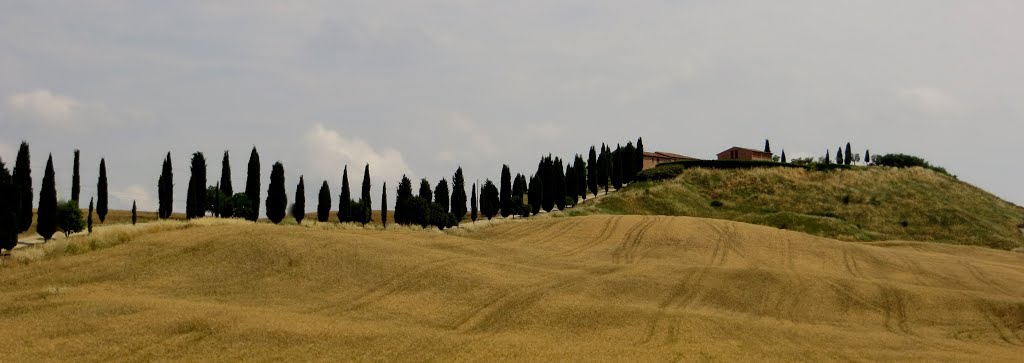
827, 158
535, 194
458, 204
580, 167
867, 157
345, 199
473, 205
425, 191
605, 170
135, 213
384, 206
671, 170
839, 156
277, 198
214, 200
402, 198
441, 195
101, 192
783, 156
767, 147
558, 182
628, 157
506, 192
165, 188
89, 222
661, 172
8, 209
639, 161
716, 203
518, 190
69, 218
240, 205
849, 155
22, 175
225, 176
46, 222
571, 195
907, 161
323, 207
489, 199
616, 175
299, 208
195, 200
592, 171
416, 212
76, 179
364, 199
546, 181
252, 187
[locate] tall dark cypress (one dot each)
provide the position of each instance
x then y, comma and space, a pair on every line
402, 198
518, 191
604, 171
839, 156
579, 166
76, 180
23, 182
46, 224
458, 196
101, 192
225, 176
558, 173
323, 207
639, 163
195, 199
345, 199
592, 171
535, 194
627, 163
827, 158
425, 192
849, 155
489, 200
384, 206
252, 185
867, 157
8, 209
570, 185
472, 205
364, 199
135, 212
783, 156
616, 160
299, 208
441, 195
506, 192
767, 147
166, 188
88, 222
277, 198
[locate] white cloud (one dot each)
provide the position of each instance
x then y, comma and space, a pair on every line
136, 193
330, 151
480, 141
932, 100
56, 110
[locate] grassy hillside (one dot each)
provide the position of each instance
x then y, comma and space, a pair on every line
582, 288
864, 204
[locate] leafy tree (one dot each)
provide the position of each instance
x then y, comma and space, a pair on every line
570, 188
9, 206
195, 200
23, 183
225, 176
425, 192
639, 163
323, 208
69, 218
277, 199
240, 204
76, 179
384, 206
767, 147
417, 212
506, 192
592, 171
89, 223
906, 161
299, 208
345, 199
617, 168
252, 187
458, 205
166, 188
783, 156
101, 192
849, 155
441, 195
135, 215
402, 198
472, 205
489, 200
535, 194
364, 199
580, 167
46, 223
214, 200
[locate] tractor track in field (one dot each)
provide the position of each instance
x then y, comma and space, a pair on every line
626, 251
604, 235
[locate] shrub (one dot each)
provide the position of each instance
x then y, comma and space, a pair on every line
69, 217
717, 203
906, 161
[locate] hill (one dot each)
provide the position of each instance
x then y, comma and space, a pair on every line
547, 288
862, 204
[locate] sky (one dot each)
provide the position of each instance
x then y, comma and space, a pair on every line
423, 87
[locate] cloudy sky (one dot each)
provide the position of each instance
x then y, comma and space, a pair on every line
420, 87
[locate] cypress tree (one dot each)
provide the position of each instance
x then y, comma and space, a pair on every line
384, 206
639, 163
458, 204
277, 199
867, 157
628, 171
402, 200
544, 171
849, 155
839, 156
345, 199
441, 195
364, 200
604, 172
783, 156
581, 176
323, 207
166, 188
425, 192
135, 213
535, 194
518, 189
88, 222
506, 191
559, 184
225, 176
101, 192
195, 200
767, 147
299, 208
76, 180
9, 206
46, 224
570, 187
489, 200
252, 185
592, 171
827, 160
616, 160
472, 205
23, 183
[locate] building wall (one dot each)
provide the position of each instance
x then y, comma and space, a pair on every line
743, 154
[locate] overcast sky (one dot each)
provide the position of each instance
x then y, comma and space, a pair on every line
420, 87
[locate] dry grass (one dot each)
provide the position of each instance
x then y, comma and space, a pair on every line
609, 288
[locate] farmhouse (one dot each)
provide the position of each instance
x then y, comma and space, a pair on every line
653, 159
740, 153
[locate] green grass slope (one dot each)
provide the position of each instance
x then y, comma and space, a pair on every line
863, 204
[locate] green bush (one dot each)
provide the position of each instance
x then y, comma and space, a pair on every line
69, 217
907, 161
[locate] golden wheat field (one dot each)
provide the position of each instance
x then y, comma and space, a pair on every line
606, 288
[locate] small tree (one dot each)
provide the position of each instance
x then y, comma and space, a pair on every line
69, 218
323, 207
89, 223
473, 204
783, 156
867, 156
101, 192
441, 195
849, 155
240, 204
506, 191
46, 223
767, 147
299, 208
489, 200
76, 179
252, 186
839, 156
135, 215
277, 200
384, 206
